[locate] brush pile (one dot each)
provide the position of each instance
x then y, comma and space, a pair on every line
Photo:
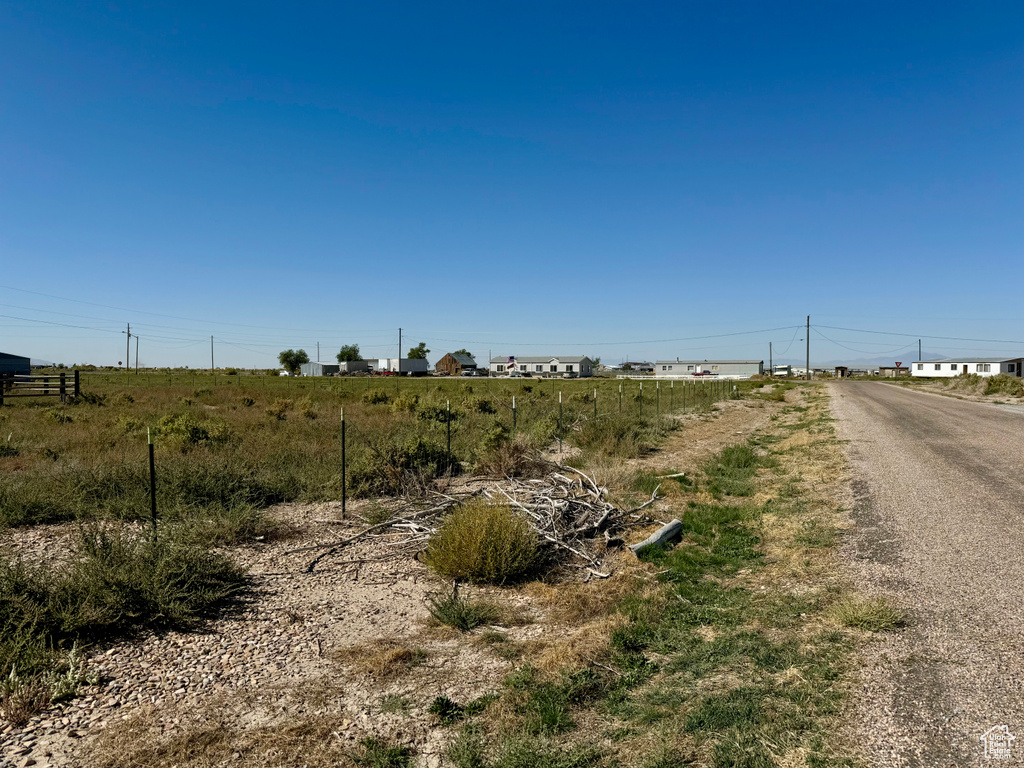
567, 510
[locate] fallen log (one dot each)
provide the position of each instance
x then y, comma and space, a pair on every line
663, 535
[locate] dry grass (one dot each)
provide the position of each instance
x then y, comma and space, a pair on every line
383, 659
207, 740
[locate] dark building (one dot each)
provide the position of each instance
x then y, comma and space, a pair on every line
14, 364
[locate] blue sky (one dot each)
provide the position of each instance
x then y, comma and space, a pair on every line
593, 178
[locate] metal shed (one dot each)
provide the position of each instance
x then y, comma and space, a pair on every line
318, 369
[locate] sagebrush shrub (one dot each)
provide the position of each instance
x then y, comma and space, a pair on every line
483, 542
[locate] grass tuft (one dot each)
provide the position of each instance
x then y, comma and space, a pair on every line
874, 614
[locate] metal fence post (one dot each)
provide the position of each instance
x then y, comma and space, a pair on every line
152, 482
343, 465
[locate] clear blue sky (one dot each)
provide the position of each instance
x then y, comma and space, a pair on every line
590, 178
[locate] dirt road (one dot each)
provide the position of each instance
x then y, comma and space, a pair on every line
939, 512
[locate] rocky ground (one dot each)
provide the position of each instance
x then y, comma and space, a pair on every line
276, 653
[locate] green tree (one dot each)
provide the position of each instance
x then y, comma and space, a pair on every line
291, 360
419, 352
596, 361
348, 353
461, 352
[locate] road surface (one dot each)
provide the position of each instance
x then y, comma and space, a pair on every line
939, 519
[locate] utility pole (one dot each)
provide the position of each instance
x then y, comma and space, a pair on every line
128, 348
919, 350
808, 347
136, 354
211, 355
318, 351
399, 371
771, 368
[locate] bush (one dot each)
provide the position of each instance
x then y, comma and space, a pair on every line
58, 416
391, 469
1004, 384
376, 397
186, 431
483, 542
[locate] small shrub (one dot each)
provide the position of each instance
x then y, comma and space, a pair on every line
377, 397
1004, 384
279, 409
405, 403
512, 459
483, 542
127, 424
187, 430
460, 613
875, 614
248, 402
439, 413
88, 398
483, 405
306, 408
123, 398
58, 416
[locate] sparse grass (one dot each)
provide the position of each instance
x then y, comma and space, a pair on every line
483, 542
874, 614
377, 753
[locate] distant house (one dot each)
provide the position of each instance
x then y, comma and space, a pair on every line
638, 367
545, 366
842, 372
723, 369
15, 364
892, 371
454, 363
983, 366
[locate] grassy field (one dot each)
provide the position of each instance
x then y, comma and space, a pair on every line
229, 445
226, 448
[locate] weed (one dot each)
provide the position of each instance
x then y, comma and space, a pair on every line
446, 711
483, 542
732, 471
377, 753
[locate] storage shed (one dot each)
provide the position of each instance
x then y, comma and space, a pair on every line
454, 363
318, 369
14, 364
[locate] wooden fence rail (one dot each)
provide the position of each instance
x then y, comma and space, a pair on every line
54, 385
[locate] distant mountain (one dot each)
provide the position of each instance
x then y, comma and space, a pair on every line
43, 363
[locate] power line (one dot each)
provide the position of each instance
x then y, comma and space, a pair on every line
920, 335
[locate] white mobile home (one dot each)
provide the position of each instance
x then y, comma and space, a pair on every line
983, 366
546, 366
723, 369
